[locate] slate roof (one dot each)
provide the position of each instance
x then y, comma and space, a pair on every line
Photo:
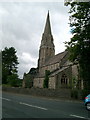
58, 71
55, 59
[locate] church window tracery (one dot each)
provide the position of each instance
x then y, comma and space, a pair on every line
64, 79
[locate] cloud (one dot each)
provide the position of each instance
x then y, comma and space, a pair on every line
22, 26
27, 58
26, 62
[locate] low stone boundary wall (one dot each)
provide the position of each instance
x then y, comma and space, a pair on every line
58, 93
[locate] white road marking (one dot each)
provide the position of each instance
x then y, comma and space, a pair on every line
77, 116
33, 106
25, 104
5, 99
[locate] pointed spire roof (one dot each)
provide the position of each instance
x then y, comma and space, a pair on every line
47, 29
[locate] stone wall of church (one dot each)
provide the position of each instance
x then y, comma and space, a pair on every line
38, 82
68, 73
75, 78
52, 82
55, 81
27, 80
51, 68
75, 71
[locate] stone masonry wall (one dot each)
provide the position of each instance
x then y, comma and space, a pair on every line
59, 93
52, 82
38, 82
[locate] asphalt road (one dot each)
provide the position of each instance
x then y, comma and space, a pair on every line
24, 106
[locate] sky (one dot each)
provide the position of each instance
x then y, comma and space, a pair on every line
22, 25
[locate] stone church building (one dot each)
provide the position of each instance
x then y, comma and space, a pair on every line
63, 73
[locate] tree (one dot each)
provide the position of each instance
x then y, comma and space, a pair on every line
13, 80
9, 63
45, 84
79, 45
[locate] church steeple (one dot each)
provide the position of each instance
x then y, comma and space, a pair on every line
47, 46
47, 29
47, 38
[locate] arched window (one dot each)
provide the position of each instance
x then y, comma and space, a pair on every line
64, 79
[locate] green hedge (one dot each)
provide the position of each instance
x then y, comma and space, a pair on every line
74, 94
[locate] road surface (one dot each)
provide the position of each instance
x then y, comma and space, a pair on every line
25, 106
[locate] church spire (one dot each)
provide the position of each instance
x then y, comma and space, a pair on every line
47, 29
47, 46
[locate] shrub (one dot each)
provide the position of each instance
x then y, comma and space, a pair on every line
84, 93
13, 80
74, 93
